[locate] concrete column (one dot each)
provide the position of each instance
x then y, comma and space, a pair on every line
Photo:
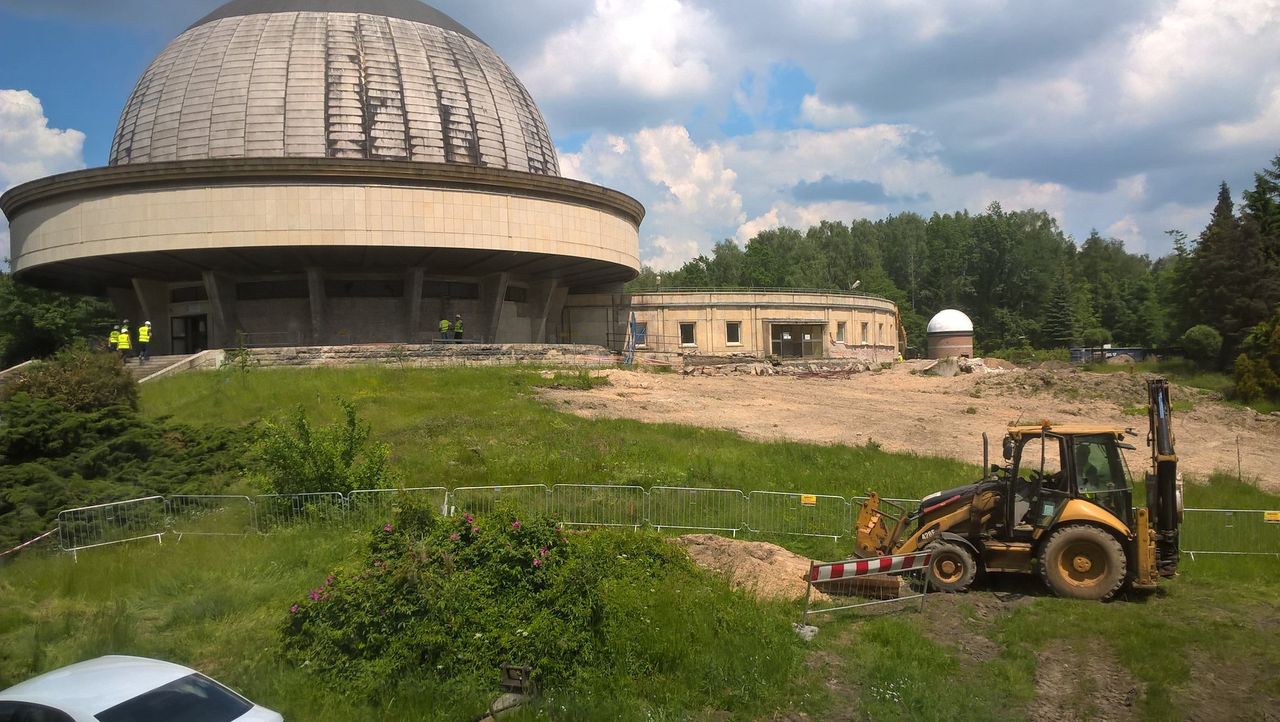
315, 288
154, 298
546, 306
413, 304
222, 303
493, 295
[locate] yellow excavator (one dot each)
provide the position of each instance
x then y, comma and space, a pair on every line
1061, 505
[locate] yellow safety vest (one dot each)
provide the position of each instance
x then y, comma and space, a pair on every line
444, 325
144, 334
125, 342
457, 327
114, 338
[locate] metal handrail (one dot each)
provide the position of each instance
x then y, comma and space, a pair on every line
761, 289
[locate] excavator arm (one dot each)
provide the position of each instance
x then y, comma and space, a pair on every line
1164, 489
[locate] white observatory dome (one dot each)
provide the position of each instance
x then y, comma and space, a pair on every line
950, 321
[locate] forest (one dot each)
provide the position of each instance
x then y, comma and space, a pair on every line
1022, 280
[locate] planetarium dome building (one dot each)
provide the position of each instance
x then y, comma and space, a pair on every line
327, 172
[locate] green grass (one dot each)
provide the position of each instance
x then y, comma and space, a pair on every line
1185, 373
480, 427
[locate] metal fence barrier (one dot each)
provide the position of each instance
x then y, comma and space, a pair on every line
277, 509
596, 505
819, 515
200, 515
1237, 532
105, 524
715, 510
724, 511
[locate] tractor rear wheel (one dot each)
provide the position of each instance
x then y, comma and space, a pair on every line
1083, 562
952, 568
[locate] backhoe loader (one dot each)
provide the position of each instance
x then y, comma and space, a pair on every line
1061, 505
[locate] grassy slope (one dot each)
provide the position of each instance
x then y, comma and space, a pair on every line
196, 603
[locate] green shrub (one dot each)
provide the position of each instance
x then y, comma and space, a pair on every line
1096, 337
78, 379
53, 458
1202, 344
298, 458
1257, 368
1025, 355
448, 601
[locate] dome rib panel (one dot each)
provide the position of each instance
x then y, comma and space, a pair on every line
336, 85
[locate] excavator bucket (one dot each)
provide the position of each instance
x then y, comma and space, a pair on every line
879, 527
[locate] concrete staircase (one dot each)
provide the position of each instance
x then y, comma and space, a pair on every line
153, 365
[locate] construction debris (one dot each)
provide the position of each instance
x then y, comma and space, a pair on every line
765, 570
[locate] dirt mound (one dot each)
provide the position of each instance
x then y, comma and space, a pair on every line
1086, 684
765, 570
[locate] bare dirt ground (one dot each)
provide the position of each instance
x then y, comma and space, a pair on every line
911, 412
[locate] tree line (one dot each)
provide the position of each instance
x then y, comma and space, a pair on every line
1022, 280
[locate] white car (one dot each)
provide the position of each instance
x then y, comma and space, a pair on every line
127, 689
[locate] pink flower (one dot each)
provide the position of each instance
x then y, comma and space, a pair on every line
328, 581
468, 518
294, 609
537, 562
387, 528
516, 525
542, 552
454, 536
315, 595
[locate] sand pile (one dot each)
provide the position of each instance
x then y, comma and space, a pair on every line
766, 570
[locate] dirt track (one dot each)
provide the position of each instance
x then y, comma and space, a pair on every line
905, 411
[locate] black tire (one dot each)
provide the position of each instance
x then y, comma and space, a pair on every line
953, 567
1083, 562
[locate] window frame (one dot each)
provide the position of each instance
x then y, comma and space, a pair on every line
640, 334
728, 338
842, 332
693, 333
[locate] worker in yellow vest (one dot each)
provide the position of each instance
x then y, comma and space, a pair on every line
114, 339
125, 342
457, 329
444, 329
144, 342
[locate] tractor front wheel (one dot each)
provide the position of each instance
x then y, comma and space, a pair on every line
1083, 562
952, 568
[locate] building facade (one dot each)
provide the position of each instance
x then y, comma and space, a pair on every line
777, 323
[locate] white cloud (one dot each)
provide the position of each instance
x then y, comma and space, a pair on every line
668, 254
29, 148
816, 112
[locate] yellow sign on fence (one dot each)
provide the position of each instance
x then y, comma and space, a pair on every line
808, 500
1271, 517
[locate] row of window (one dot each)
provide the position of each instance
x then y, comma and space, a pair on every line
733, 333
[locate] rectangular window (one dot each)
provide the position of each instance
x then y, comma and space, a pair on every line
866, 333
445, 289
840, 332
880, 335
271, 290
363, 289
517, 294
188, 294
640, 332
733, 333
689, 334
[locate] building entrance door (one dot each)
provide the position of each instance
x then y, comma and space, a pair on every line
190, 334
796, 340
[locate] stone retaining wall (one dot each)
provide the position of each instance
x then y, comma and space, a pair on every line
433, 355
814, 367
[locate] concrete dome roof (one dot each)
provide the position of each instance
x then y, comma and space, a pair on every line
950, 321
366, 79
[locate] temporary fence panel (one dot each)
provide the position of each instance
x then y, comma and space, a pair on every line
376, 505
773, 512
1230, 531
115, 523
673, 507
840, 582
525, 498
598, 505
276, 510
200, 515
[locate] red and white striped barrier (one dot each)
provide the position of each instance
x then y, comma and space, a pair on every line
24, 545
835, 571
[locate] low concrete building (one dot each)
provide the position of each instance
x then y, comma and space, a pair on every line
950, 333
761, 323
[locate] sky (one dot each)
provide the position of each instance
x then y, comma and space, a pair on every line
729, 117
